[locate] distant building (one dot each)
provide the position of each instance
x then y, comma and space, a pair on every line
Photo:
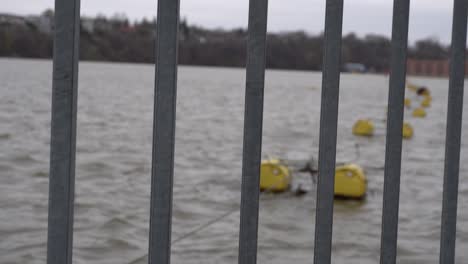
44, 23
202, 40
12, 20
102, 24
87, 24
434, 68
354, 67
127, 29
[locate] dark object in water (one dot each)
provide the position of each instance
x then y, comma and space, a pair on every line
300, 191
309, 168
422, 91
347, 198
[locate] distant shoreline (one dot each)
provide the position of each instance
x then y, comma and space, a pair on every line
215, 67
116, 39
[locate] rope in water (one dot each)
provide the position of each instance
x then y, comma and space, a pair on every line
207, 224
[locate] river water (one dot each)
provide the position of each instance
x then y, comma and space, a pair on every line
115, 107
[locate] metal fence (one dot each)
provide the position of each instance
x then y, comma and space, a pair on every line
63, 131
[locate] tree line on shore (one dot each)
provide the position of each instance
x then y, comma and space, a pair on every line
115, 39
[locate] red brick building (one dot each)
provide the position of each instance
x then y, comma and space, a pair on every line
433, 68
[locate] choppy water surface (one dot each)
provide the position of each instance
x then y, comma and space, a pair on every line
114, 155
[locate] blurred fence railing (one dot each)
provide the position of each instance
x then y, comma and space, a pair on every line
63, 131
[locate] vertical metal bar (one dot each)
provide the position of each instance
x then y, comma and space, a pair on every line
164, 132
453, 136
253, 120
63, 132
328, 130
396, 99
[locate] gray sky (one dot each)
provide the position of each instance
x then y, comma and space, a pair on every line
429, 18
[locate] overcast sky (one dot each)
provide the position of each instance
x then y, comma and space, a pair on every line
429, 18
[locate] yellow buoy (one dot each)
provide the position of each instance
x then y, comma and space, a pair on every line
419, 112
363, 127
407, 102
407, 130
426, 102
274, 176
350, 181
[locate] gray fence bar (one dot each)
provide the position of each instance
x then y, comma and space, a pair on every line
164, 132
328, 130
396, 99
453, 136
63, 132
253, 121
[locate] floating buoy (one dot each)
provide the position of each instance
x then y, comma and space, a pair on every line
363, 127
419, 112
427, 101
407, 102
407, 130
350, 181
274, 176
